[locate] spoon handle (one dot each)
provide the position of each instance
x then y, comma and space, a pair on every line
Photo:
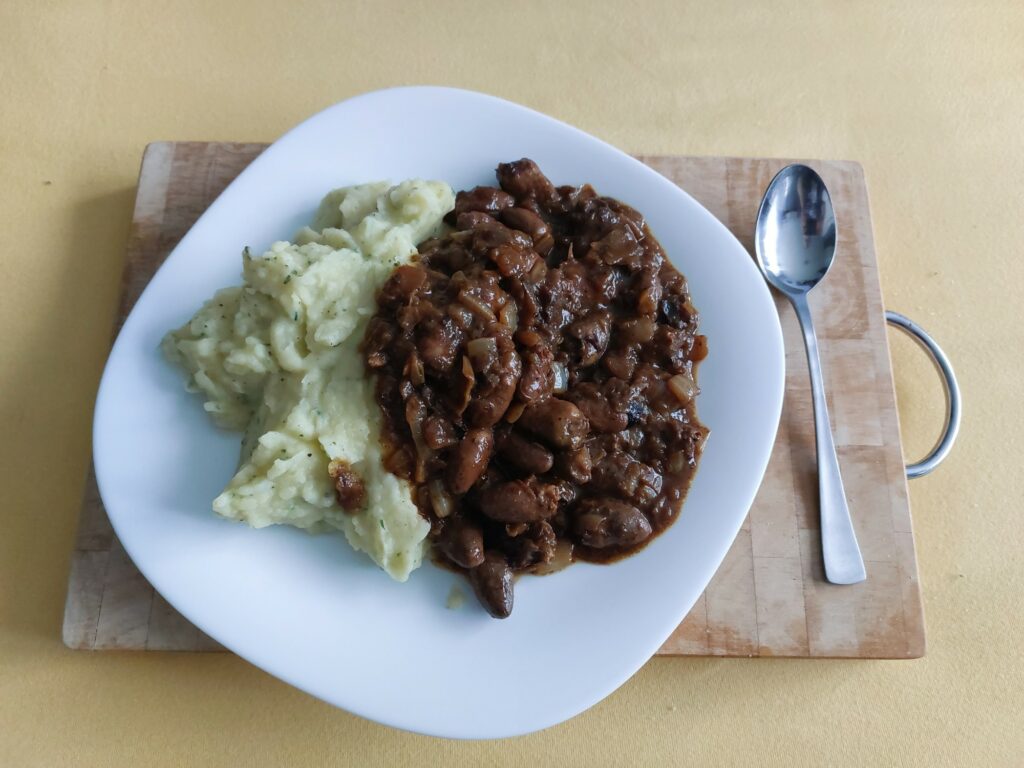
843, 562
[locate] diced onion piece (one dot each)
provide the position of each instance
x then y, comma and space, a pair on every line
562, 558
516, 529
415, 413
440, 499
648, 301
483, 352
509, 315
700, 348
683, 387
482, 349
462, 316
414, 369
638, 330
539, 271
476, 306
635, 228
467, 384
676, 463
561, 376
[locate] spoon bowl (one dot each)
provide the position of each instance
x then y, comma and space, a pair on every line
796, 230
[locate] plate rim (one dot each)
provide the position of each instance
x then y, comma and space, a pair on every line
250, 654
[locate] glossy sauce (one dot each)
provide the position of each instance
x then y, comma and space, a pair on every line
537, 373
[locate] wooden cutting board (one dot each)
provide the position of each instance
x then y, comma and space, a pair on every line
769, 597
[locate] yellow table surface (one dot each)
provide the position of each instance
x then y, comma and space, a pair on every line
927, 95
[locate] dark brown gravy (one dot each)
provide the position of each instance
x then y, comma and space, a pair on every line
536, 368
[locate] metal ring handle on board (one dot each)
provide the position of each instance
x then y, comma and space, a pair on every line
945, 444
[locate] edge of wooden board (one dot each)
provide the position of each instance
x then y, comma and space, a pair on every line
149, 206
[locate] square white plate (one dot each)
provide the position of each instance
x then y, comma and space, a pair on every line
320, 616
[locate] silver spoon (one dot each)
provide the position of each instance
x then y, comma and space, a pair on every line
795, 239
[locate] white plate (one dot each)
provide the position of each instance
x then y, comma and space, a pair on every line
323, 618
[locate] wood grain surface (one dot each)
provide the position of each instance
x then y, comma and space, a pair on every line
769, 597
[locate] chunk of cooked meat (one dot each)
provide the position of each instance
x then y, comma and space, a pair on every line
519, 501
608, 523
558, 423
348, 486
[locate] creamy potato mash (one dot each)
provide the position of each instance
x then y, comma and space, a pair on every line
278, 359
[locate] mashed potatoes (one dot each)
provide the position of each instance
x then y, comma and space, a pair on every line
278, 359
